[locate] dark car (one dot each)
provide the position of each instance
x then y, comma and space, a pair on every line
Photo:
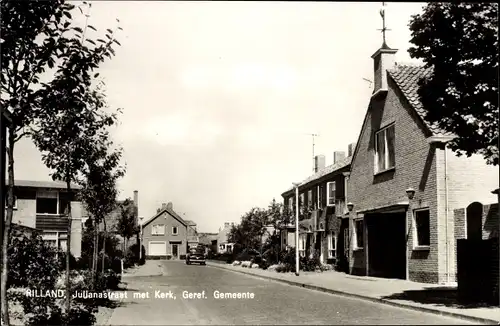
196, 255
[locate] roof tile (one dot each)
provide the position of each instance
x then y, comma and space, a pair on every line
407, 78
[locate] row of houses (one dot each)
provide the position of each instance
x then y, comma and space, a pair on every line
386, 209
41, 206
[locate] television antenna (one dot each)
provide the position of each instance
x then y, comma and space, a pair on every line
313, 144
369, 81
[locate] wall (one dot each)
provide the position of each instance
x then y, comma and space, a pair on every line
415, 166
25, 214
169, 221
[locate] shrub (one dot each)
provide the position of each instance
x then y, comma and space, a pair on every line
29, 257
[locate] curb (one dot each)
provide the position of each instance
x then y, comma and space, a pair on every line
367, 298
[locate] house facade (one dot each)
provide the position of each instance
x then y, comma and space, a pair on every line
192, 234
404, 183
322, 210
222, 241
114, 217
166, 235
42, 205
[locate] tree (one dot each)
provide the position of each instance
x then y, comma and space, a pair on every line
34, 36
127, 226
459, 41
99, 189
71, 120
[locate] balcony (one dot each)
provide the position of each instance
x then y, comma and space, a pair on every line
51, 222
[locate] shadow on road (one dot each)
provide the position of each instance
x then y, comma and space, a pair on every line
443, 296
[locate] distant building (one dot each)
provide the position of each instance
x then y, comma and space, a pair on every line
166, 235
222, 242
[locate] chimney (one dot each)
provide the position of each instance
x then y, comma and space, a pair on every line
338, 156
383, 60
319, 162
170, 206
158, 210
136, 203
350, 149
163, 206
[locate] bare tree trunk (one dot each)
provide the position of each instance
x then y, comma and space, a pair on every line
95, 253
68, 248
105, 236
6, 231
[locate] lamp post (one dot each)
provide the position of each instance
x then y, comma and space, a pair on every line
350, 207
296, 185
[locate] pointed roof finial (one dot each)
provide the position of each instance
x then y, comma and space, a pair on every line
384, 28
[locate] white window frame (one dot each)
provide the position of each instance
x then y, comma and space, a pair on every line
302, 245
302, 198
290, 204
310, 198
158, 229
332, 245
417, 245
356, 240
328, 193
176, 230
47, 191
386, 167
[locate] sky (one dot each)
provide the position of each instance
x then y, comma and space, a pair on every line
220, 98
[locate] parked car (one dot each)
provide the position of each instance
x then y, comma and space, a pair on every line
196, 255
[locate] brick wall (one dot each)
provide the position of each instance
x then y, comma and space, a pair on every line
469, 179
490, 222
415, 166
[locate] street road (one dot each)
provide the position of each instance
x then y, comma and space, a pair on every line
274, 303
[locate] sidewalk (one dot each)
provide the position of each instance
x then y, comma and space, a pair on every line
150, 268
431, 298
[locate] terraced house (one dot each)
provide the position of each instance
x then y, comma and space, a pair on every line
405, 183
322, 218
42, 205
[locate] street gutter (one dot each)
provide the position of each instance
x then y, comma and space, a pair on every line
364, 297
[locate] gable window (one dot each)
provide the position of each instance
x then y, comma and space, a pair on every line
332, 245
47, 202
422, 226
309, 198
330, 194
384, 149
358, 228
174, 230
302, 245
158, 229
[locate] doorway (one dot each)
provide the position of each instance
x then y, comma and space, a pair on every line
175, 251
386, 245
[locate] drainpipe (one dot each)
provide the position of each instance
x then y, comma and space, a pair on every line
446, 214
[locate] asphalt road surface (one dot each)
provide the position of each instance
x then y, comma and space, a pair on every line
273, 303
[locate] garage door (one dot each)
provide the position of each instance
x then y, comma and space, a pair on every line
157, 248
